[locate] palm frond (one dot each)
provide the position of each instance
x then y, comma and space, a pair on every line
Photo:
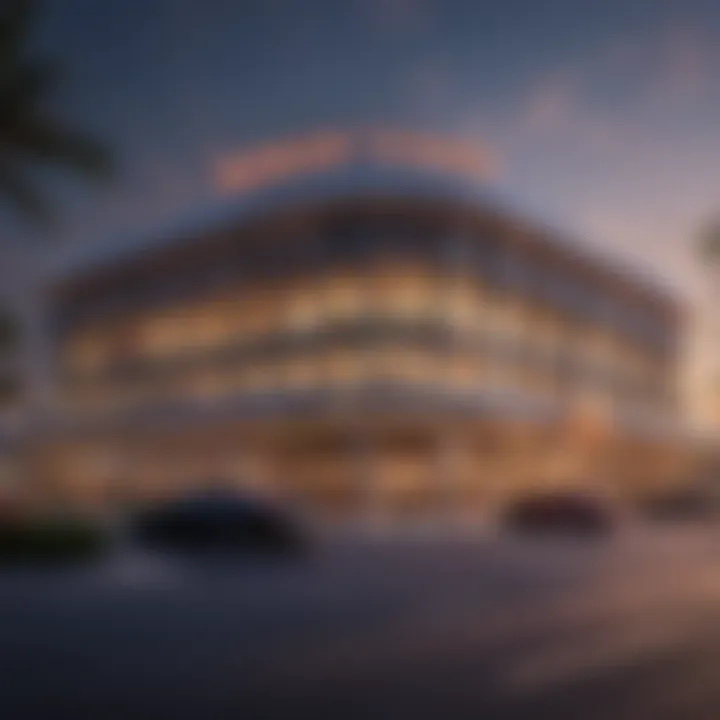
25, 88
16, 21
31, 138
46, 141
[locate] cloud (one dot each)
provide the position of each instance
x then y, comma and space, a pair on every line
621, 147
615, 95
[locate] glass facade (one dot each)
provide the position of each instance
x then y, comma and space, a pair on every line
434, 303
405, 319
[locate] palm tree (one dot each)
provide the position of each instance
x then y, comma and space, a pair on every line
9, 341
31, 137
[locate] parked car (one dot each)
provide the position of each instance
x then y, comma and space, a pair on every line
219, 522
561, 511
688, 504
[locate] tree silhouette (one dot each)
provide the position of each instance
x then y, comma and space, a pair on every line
31, 137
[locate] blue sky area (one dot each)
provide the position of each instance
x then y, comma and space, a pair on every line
603, 116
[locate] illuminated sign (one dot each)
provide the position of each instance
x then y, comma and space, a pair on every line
277, 161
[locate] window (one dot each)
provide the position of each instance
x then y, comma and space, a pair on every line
304, 310
463, 303
405, 295
344, 296
258, 312
87, 354
167, 334
343, 366
260, 376
463, 371
300, 372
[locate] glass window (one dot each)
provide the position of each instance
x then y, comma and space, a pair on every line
344, 296
260, 376
463, 371
87, 354
300, 372
258, 312
463, 302
304, 309
405, 364
405, 295
343, 366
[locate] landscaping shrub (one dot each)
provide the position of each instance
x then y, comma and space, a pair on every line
51, 541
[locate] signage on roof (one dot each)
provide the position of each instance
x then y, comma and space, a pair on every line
275, 162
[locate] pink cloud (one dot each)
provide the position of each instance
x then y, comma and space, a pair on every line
670, 73
646, 179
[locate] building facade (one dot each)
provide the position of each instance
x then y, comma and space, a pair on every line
372, 348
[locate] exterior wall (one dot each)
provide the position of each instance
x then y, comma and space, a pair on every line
406, 326
341, 306
351, 466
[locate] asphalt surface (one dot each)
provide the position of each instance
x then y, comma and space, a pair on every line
445, 627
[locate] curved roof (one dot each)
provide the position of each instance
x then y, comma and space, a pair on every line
355, 181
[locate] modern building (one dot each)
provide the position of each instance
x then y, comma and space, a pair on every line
371, 338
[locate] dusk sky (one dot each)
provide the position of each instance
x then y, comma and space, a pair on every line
603, 117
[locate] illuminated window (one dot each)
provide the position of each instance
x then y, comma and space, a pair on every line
406, 364
207, 386
304, 308
87, 354
421, 366
509, 319
302, 372
209, 325
463, 303
492, 377
163, 334
258, 312
344, 297
344, 366
492, 313
406, 295
463, 371
261, 376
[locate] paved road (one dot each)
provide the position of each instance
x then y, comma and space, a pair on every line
485, 627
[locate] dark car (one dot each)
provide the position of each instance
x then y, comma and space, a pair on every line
219, 522
688, 504
567, 511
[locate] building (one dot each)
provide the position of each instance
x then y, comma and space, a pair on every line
366, 340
